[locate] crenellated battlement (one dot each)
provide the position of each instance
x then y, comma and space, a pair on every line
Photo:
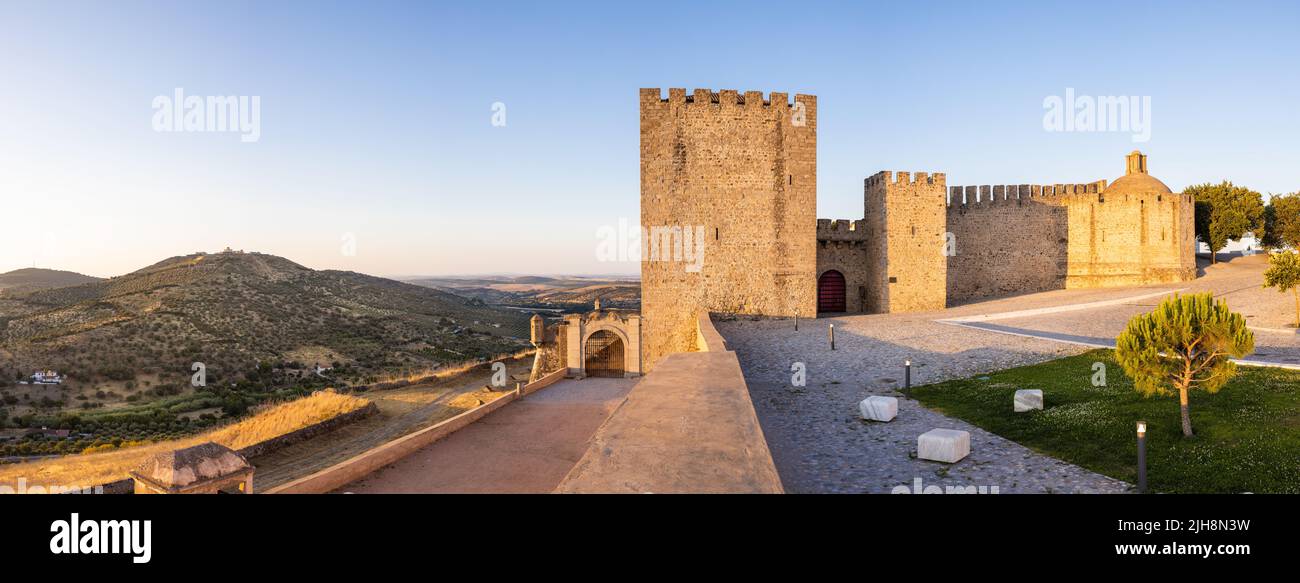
724, 97
988, 195
840, 230
833, 225
1030, 237
886, 177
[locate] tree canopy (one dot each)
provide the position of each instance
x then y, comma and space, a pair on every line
1286, 220
1225, 212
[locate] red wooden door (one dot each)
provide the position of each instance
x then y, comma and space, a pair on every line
830, 292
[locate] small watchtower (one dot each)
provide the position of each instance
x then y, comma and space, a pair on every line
536, 330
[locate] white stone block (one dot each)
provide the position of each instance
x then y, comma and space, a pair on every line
879, 408
1028, 400
943, 445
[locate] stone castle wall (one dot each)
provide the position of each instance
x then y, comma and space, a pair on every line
1029, 238
842, 245
1009, 239
743, 168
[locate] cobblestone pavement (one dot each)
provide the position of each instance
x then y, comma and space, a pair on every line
820, 444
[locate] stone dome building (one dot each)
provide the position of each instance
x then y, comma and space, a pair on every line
1136, 180
1134, 231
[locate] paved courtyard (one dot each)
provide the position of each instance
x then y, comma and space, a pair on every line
821, 445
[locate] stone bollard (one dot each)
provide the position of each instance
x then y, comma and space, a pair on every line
943, 445
876, 408
1028, 400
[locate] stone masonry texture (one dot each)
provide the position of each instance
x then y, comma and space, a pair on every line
741, 170
921, 246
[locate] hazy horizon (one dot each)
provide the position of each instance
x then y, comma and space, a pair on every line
376, 150
393, 276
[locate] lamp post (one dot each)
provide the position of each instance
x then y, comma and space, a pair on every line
907, 375
1142, 456
796, 320
832, 336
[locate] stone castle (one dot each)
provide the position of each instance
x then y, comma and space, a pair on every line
744, 168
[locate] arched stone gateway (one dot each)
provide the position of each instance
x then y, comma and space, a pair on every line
603, 352
830, 292
602, 342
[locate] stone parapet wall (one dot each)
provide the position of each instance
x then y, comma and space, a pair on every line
688, 427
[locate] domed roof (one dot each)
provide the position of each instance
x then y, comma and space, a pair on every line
1136, 180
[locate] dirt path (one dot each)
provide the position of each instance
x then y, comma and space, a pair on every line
401, 411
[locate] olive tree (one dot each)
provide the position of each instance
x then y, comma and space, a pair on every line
1286, 219
1224, 212
1284, 274
1186, 343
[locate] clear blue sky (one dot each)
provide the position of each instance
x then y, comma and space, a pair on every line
375, 117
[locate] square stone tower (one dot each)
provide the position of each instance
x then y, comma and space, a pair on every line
906, 225
733, 175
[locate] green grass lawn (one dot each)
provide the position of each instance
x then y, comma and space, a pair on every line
1247, 435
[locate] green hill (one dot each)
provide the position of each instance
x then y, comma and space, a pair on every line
232, 311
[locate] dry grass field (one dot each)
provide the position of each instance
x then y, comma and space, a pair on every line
83, 471
401, 411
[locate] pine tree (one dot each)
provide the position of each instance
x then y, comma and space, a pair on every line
1186, 343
